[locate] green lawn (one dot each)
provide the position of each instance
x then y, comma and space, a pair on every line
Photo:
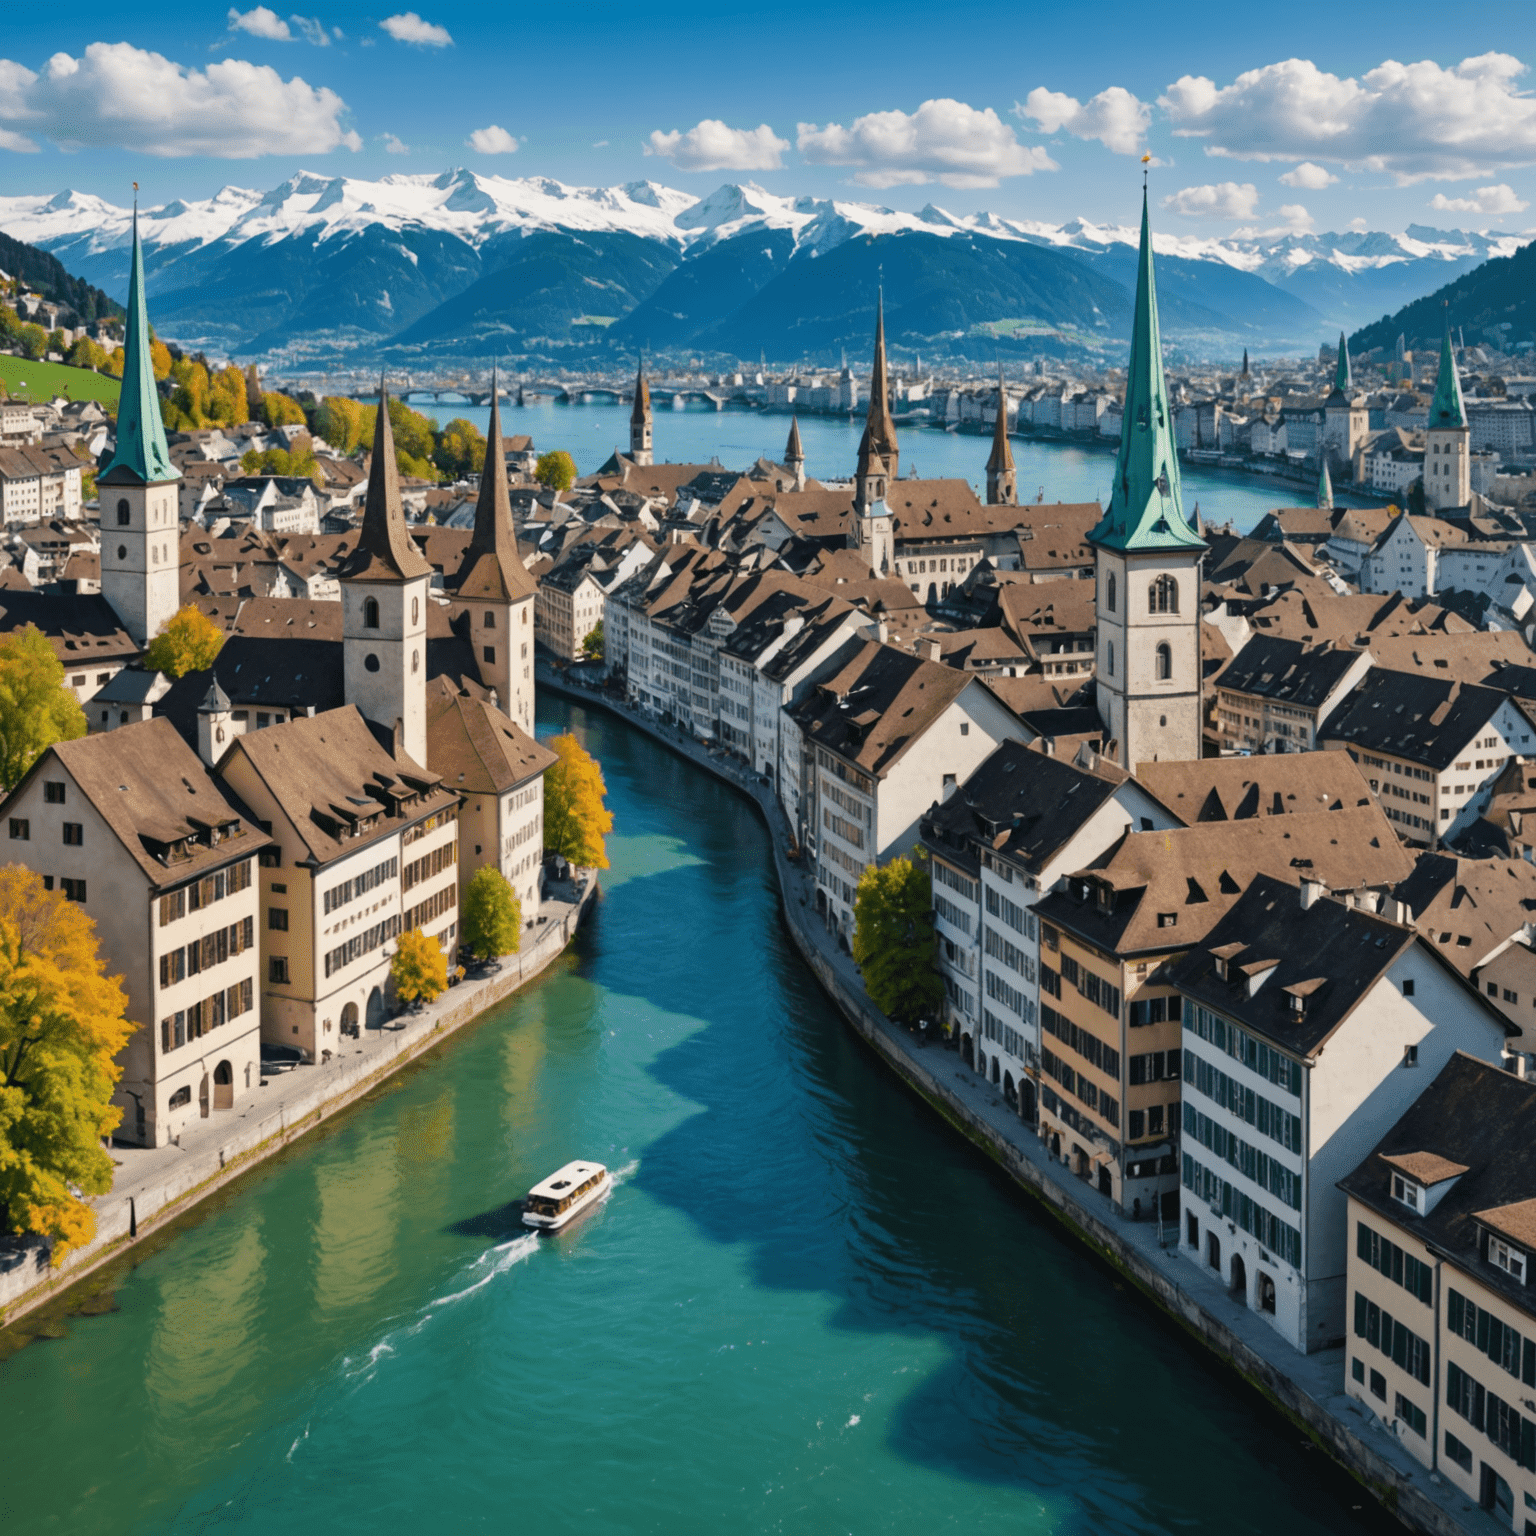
42, 381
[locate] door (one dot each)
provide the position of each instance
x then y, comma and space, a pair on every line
223, 1086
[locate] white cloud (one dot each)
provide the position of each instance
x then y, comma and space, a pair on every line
394, 145
1413, 121
260, 23
1309, 177
314, 30
492, 141
1114, 117
600, 144
121, 97
944, 140
1486, 200
712, 146
408, 27
1359, 226
1223, 200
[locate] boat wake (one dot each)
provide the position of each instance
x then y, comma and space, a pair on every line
617, 1176
496, 1261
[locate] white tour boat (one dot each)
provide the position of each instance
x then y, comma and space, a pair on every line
564, 1195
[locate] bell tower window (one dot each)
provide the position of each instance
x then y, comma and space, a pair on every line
1164, 662
371, 613
1110, 594
123, 514
1163, 595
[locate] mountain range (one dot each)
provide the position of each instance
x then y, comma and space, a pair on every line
463, 266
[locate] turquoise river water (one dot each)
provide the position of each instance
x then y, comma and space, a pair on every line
807, 1307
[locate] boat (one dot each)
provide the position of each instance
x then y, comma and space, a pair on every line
564, 1195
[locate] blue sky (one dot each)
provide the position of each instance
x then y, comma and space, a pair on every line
1309, 116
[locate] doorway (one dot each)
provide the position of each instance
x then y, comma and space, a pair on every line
1213, 1251
223, 1086
1239, 1277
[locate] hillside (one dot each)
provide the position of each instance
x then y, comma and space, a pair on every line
1494, 304
44, 273
24, 380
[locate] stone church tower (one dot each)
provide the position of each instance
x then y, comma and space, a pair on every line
1447, 443
879, 459
1002, 480
641, 421
1147, 565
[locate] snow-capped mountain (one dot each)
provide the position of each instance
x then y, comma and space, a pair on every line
459, 259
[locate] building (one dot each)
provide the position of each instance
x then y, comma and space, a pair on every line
1002, 479
878, 464
1442, 1321
569, 607
1147, 566
1447, 439
1345, 418
1275, 695
641, 422
1308, 1024
133, 828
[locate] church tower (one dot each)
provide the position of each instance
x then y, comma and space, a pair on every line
1324, 485
1147, 566
1002, 482
1448, 442
794, 454
1345, 418
641, 421
140, 520
879, 459
384, 595
496, 593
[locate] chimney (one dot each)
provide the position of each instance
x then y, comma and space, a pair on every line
930, 649
1398, 911
949, 786
1311, 890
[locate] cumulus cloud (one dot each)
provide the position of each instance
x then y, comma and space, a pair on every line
712, 146
260, 22
1114, 117
1412, 121
1223, 200
393, 145
1491, 201
944, 141
1309, 177
121, 97
408, 27
314, 30
492, 141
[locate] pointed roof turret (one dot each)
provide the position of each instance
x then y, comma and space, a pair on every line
492, 567
215, 701
1343, 379
1146, 506
1001, 458
793, 452
385, 550
642, 406
140, 455
879, 440
1245, 362
1324, 485
1446, 409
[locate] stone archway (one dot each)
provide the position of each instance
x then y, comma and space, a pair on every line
223, 1086
1239, 1277
376, 1009
967, 1050
202, 1097
349, 1020
1010, 1097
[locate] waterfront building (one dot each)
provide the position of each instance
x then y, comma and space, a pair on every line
1447, 438
570, 605
1275, 695
1308, 1024
1147, 558
1442, 1320
134, 829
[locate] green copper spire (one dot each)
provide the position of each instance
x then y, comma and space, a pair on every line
140, 455
1342, 381
1146, 510
1447, 410
1324, 485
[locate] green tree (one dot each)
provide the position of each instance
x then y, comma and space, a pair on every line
460, 449
34, 342
36, 709
86, 353
555, 469
297, 461
340, 422
419, 969
575, 819
56, 342
279, 410
893, 938
491, 920
190, 642
592, 643
61, 1029
413, 438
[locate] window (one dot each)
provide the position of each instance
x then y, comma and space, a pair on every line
1357, 1370
277, 970
1410, 1055
74, 890
1510, 1260
180, 1099
1410, 1194
1109, 658
123, 514
1408, 987
370, 613
74, 834
1410, 1415
415, 610
490, 619
1378, 1385
489, 653
277, 919
1110, 595
53, 792
1457, 1452
370, 661
1163, 595
21, 829
1164, 662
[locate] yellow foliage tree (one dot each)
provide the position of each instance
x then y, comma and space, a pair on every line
36, 709
61, 1029
419, 969
556, 469
575, 819
189, 642
279, 410
340, 422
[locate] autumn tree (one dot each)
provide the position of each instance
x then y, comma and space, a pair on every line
460, 449
61, 1029
419, 969
297, 461
189, 642
491, 918
555, 469
575, 819
340, 422
279, 410
592, 642
36, 709
34, 342
85, 353
413, 438
893, 939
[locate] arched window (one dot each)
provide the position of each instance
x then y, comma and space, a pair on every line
122, 513
1163, 595
1109, 657
415, 610
370, 613
1164, 662
1109, 592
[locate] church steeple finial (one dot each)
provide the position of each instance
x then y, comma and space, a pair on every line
385, 550
641, 419
1447, 408
492, 567
1002, 488
879, 456
1343, 378
794, 454
1146, 505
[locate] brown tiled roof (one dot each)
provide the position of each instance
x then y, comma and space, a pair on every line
1467, 907
476, 748
1241, 788
1426, 1167
1516, 1222
493, 569
384, 549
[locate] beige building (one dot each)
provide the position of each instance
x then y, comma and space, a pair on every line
132, 827
569, 608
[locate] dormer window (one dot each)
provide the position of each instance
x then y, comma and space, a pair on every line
1298, 1005
1408, 1192
1502, 1256
1221, 967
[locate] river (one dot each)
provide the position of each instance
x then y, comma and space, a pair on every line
807, 1307
1050, 469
